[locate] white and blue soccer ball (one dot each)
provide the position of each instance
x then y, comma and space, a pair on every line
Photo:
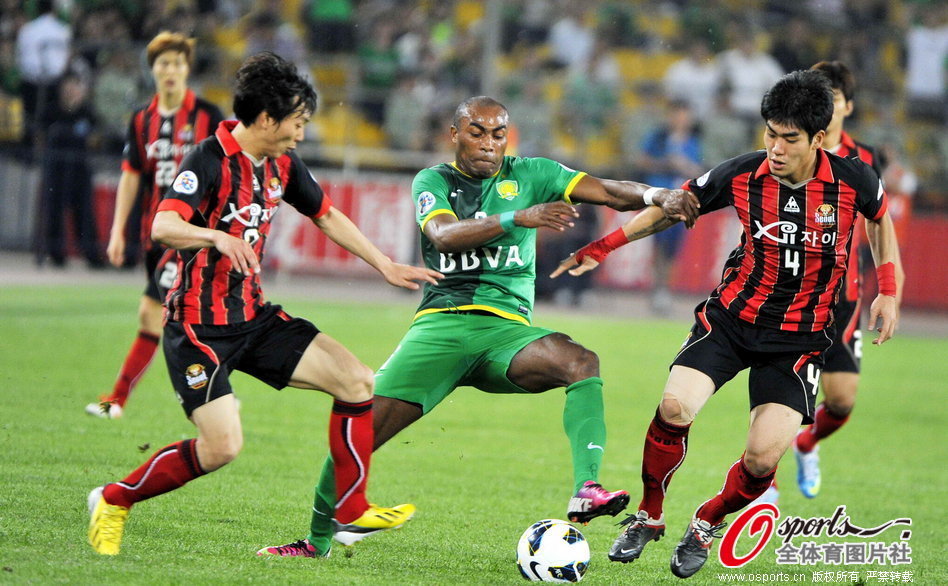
552, 550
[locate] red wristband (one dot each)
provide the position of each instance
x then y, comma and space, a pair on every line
601, 248
886, 276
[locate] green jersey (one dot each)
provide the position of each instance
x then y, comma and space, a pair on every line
496, 277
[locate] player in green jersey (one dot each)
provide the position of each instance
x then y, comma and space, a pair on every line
478, 217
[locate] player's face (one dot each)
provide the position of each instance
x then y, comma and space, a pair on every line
170, 71
790, 152
284, 136
480, 141
842, 108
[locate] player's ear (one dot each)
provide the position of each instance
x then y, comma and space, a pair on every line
849, 108
264, 120
817, 141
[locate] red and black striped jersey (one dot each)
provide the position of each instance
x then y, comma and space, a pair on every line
220, 187
796, 239
155, 145
852, 284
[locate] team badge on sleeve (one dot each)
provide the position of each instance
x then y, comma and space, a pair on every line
426, 201
186, 182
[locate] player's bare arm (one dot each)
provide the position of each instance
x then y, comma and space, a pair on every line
676, 204
885, 254
340, 229
170, 229
124, 202
648, 222
449, 234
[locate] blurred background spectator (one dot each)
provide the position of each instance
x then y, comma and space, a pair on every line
671, 154
43, 48
67, 176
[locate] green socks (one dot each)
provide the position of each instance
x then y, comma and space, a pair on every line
585, 425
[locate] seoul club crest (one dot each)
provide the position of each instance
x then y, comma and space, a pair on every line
196, 376
274, 188
508, 189
825, 216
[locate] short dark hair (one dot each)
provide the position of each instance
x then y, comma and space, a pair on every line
268, 83
839, 76
802, 99
475, 102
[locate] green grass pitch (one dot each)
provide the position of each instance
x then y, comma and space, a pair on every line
481, 468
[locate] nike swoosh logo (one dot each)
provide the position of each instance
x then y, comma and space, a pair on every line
592, 446
624, 551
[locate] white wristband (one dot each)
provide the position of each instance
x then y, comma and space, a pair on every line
649, 194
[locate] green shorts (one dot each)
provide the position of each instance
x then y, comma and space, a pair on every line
443, 351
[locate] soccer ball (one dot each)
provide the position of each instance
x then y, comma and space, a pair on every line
552, 551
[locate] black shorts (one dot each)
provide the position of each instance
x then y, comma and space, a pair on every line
784, 366
845, 355
201, 358
161, 269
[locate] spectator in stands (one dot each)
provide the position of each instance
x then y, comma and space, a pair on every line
12, 17
571, 41
67, 176
330, 25
528, 23
267, 31
695, 78
530, 109
118, 88
747, 72
592, 96
43, 48
378, 68
794, 49
670, 155
407, 120
927, 52
9, 72
11, 107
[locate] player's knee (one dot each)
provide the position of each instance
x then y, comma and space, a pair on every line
760, 463
583, 364
358, 386
674, 411
840, 406
214, 454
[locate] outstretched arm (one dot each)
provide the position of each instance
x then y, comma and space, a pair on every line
587, 258
885, 254
676, 204
340, 229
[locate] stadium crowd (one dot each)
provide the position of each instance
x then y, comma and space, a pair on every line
587, 81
